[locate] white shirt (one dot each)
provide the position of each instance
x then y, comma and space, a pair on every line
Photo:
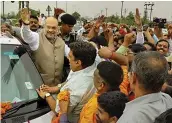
32, 38
140, 38
81, 87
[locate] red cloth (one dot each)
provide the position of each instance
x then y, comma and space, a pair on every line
122, 31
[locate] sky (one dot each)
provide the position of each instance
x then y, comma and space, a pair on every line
161, 9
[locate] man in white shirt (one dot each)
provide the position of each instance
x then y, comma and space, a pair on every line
79, 83
48, 49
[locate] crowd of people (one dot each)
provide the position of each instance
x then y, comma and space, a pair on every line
105, 73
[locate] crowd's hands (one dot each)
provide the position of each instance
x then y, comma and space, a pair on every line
98, 23
95, 28
105, 52
129, 39
108, 33
137, 19
25, 15
147, 31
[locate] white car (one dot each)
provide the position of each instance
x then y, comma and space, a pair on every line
19, 81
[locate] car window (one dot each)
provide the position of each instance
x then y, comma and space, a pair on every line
19, 76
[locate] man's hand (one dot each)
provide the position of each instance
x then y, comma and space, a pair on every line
147, 31
129, 38
98, 23
105, 52
48, 89
108, 33
25, 15
41, 93
86, 26
137, 18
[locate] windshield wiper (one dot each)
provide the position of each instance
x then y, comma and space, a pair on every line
16, 108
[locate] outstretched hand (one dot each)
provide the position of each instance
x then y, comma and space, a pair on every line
137, 18
25, 15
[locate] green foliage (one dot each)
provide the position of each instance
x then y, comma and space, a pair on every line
113, 19
34, 12
76, 15
129, 19
145, 21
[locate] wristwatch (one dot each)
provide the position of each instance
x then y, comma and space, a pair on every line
59, 85
47, 95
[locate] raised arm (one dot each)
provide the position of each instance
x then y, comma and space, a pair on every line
32, 38
140, 37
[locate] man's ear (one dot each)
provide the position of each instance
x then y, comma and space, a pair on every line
113, 119
133, 75
78, 62
101, 86
134, 78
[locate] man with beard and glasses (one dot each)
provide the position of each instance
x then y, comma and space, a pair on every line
48, 49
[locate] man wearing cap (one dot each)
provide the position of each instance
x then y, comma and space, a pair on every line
48, 49
67, 22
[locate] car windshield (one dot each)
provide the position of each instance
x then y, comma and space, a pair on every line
19, 76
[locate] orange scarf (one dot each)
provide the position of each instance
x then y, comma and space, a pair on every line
4, 107
63, 95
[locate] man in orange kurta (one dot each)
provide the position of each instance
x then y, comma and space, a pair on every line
107, 77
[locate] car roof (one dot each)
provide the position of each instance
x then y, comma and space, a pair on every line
7, 40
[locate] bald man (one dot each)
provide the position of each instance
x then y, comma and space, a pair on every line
48, 49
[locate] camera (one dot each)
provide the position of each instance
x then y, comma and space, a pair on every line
160, 22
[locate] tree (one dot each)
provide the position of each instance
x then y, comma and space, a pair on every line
130, 19
113, 19
76, 15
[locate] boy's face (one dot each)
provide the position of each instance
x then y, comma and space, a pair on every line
103, 117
